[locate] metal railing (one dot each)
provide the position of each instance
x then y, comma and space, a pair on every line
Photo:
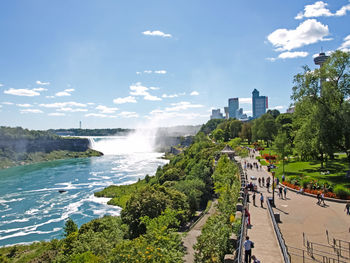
280, 239
305, 257
342, 245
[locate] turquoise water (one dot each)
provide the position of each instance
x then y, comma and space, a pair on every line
32, 209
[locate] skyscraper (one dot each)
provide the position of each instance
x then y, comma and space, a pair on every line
233, 106
216, 114
260, 104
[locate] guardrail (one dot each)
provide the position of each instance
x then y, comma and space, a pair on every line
280, 239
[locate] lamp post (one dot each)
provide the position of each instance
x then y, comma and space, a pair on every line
273, 188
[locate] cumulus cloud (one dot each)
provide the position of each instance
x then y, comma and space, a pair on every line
68, 109
66, 92
183, 105
104, 109
154, 88
139, 90
147, 71
319, 8
26, 105
99, 115
7, 103
129, 99
63, 104
38, 82
170, 96
308, 32
160, 71
128, 114
56, 114
40, 89
194, 93
156, 33
278, 107
22, 92
345, 46
31, 111
289, 54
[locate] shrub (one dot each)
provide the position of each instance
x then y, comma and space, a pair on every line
342, 192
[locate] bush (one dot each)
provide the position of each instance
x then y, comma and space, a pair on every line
342, 192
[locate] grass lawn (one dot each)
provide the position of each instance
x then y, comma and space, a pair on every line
337, 169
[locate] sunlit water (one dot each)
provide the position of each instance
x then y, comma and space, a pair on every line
31, 207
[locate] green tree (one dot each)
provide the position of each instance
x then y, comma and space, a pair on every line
264, 128
282, 146
218, 135
246, 132
70, 227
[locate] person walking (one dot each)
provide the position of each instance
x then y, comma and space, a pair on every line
261, 200
318, 198
248, 245
254, 199
247, 214
263, 181
347, 208
322, 199
255, 260
280, 192
285, 192
259, 180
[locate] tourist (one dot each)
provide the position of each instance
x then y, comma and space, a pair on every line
247, 214
254, 199
280, 192
259, 180
261, 200
285, 192
322, 199
347, 208
318, 198
277, 181
255, 260
263, 181
301, 191
283, 178
268, 186
248, 245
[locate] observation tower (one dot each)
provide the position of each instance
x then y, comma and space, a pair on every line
321, 59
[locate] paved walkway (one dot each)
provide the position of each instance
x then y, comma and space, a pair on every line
261, 232
191, 238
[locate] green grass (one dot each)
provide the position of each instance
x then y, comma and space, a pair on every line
312, 170
268, 151
120, 194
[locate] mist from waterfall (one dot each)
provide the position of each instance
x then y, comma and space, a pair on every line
140, 141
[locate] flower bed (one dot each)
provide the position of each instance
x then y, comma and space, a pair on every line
314, 192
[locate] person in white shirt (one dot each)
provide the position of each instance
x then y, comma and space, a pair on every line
248, 245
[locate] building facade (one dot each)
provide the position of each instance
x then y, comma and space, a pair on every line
260, 104
216, 114
233, 106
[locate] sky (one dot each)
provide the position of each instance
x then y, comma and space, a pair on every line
126, 64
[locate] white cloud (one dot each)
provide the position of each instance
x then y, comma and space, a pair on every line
319, 8
57, 114
1, 85
183, 105
104, 109
245, 100
128, 99
156, 33
160, 71
68, 109
308, 32
49, 97
147, 71
138, 73
139, 90
90, 103
42, 83
166, 115
40, 89
63, 104
194, 93
288, 54
154, 88
31, 111
24, 105
170, 96
151, 97
22, 92
66, 92
345, 46
7, 103
100, 115
128, 114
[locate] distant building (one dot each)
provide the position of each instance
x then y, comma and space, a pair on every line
216, 114
239, 113
260, 104
233, 106
226, 113
290, 110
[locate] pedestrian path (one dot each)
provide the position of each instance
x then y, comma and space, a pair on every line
266, 247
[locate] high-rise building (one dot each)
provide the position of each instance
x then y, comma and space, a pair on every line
216, 114
233, 106
226, 112
260, 104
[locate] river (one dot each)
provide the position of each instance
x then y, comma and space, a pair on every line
33, 209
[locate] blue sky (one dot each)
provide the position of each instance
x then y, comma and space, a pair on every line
162, 63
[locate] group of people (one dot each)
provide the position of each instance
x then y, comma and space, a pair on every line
255, 165
320, 198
